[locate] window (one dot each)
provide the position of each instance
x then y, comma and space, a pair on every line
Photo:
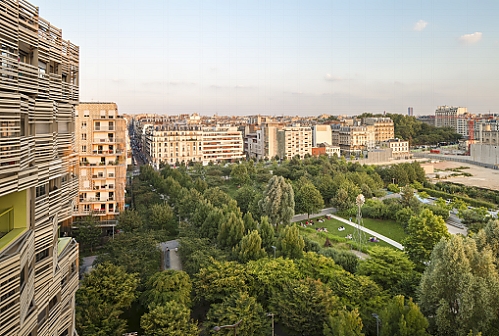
84, 148
84, 136
40, 191
83, 124
42, 255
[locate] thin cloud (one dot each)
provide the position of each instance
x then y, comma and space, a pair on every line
420, 25
182, 83
471, 38
330, 78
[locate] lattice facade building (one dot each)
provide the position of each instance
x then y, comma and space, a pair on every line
38, 94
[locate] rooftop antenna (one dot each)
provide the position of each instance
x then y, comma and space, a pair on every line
359, 236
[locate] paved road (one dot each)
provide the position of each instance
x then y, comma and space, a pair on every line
170, 259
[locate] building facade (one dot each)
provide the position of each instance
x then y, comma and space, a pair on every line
321, 134
102, 155
446, 116
293, 141
399, 148
222, 144
173, 144
383, 128
38, 180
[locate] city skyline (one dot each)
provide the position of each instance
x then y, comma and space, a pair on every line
284, 57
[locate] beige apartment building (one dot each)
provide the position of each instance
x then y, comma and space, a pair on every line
38, 180
222, 144
173, 144
293, 141
353, 139
101, 144
399, 148
383, 128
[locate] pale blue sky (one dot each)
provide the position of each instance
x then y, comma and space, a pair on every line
284, 57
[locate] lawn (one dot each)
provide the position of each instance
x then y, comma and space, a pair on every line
337, 238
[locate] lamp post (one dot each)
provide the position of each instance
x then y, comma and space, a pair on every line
274, 248
229, 326
376, 316
272, 315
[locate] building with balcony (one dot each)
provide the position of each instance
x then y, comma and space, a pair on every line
446, 116
102, 161
173, 144
383, 128
222, 144
293, 141
38, 180
399, 148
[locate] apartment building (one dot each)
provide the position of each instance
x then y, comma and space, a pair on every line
399, 148
173, 144
325, 149
321, 134
293, 141
222, 144
383, 128
38, 181
353, 139
102, 155
446, 116
267, 141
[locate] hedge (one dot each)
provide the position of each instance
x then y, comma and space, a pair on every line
470, 201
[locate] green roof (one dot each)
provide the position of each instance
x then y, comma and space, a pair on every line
61, 245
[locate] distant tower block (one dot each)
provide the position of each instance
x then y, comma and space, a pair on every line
359, 236
410, 111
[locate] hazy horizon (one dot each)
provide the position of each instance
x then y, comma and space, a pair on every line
288, 57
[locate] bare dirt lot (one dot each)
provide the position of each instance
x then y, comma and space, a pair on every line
482, 177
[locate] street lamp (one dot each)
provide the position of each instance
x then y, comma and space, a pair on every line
229, 326
272, 315
274, 248
376, 316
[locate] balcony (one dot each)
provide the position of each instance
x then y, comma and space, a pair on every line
108, 140
104, 128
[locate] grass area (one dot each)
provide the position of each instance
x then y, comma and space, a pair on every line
338, 238
386, 227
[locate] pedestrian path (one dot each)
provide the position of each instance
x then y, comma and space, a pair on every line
370, 232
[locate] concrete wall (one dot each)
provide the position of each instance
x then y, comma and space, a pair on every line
488, 154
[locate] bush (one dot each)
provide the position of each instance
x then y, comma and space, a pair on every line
471, 201
393, 188
345, 259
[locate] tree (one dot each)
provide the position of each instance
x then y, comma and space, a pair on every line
407, 194
459, 289
239, 307
346, 195
244, 196
303, 306
250, 248
89, 233
267, 233
423, 233
400, 319
200, 185
130, 221
403, 216
239, 174
162, 218
344, 323
278, 201
291, 243
102, 296
249, 223
172, 319
136, 252
167, 286
216, 196
209, 228
308, 199
231, 231
385, 266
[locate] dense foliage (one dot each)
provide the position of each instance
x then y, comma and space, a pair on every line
241, 258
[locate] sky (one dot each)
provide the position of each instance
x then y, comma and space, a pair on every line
291, 57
